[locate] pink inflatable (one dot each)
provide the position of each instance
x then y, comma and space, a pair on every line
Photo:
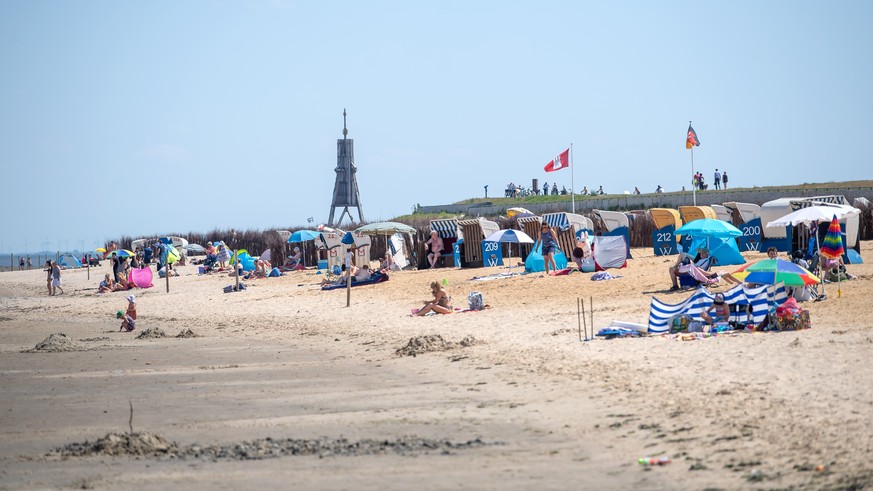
140, 277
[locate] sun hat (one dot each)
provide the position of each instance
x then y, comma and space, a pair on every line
119, 314
131, 299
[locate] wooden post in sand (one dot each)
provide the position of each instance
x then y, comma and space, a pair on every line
167, 272
579, 319
88, 262
348, 279
591, 306
236, 267
11, 263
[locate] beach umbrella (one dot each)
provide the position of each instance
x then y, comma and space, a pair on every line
817, 213
194, 249
304, 235
832, 248
773, 271
709, 227
385, 228
122, 253
510, 236
100, 250
832, 244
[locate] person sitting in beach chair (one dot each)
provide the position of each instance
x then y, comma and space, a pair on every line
690, 273
294, 261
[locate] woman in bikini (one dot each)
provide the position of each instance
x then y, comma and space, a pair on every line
441, 303
719, 309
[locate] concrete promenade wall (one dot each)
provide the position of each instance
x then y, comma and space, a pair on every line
646, 201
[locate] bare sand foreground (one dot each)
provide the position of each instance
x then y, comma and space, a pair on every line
525, 406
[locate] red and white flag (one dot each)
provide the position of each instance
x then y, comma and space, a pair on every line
562, 161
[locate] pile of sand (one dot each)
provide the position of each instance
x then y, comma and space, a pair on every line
432, 342
140, 443
55, 343
152, 333
149, 444
187, 333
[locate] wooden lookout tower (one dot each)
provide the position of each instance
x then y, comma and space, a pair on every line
345, 190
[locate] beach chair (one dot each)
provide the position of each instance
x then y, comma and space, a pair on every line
694, 277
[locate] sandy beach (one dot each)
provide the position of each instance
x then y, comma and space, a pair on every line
522, 404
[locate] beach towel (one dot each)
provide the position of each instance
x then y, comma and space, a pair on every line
374, 278
495, 276
603, 275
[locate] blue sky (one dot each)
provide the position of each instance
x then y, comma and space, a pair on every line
133, 118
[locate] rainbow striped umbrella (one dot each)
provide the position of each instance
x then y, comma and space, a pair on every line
832, 244
773, 271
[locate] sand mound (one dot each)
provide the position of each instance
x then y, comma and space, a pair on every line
120, 444
432, 342
187, 333
149, 444
152, 333
55, 343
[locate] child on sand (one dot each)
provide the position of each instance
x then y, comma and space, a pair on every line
128, 319
441, 303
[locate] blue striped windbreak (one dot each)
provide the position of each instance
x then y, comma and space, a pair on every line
760, 297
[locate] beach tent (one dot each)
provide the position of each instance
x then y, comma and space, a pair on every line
723, 249
173, 255
760, 298
615, 223
477, 252
67, 260
609, 252
266, 256
140, 277
535, 262
247, 261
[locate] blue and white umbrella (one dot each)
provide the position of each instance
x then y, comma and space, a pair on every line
510, 236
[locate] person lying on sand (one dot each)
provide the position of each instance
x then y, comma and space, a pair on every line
441, 303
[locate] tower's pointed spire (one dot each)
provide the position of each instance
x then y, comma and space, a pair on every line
345, 128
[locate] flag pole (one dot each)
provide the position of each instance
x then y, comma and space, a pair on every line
694, 182
572, 185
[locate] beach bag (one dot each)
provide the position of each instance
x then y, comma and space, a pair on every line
475, 301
